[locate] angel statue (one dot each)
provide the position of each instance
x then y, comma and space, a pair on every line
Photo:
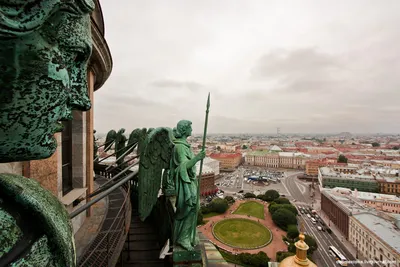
168, 163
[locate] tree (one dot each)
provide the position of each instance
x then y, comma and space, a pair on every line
283, 217
273, 207
292, 231
219, 148
205, 210
230, 199
199, 218
375, 144
282, 200
290, 208
281, 255
310, 241
342, 159
259, 260
244, 147
249, 195
396, 148
271, 195
219, 205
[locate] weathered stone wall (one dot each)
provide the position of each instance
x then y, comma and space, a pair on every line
47, 171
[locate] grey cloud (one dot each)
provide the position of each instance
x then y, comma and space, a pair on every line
332, 71
166, 83
299, 70
298, 63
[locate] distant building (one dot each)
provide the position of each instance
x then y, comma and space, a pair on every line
375, 237
228, 161
213, 164
336, 177
207, 183
334, 206
273, 159
359, 216
389, 185
312, 166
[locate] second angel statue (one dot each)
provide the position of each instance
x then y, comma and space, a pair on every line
167, 162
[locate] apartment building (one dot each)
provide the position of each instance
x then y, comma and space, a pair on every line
389, 185
334, 177
207, 184
312, 166
274, 159
376, 237
228, 161
335, 206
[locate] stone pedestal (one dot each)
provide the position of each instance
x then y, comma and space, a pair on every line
183, 258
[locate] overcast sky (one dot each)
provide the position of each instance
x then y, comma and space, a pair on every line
304, 66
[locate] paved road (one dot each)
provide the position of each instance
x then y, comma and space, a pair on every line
292, 186
324, 240
300, 192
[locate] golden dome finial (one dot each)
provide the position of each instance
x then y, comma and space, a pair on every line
300, 259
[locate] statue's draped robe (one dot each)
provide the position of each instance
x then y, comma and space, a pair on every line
186, 195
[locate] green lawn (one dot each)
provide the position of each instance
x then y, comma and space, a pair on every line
211, 214
251, 208
242, 233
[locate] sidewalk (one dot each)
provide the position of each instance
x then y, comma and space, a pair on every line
342, 239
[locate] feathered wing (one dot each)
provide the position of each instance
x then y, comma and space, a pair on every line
134, 137
110, 138
142, 139
156, 156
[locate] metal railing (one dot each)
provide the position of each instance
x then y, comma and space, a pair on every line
106, 248
116, 184
104, 194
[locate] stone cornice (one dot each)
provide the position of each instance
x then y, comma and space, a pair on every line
100, 61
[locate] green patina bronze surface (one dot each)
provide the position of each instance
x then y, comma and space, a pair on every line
120, 147
168, 155
95, 147
10, 233
46, 211
44, 49
110, 139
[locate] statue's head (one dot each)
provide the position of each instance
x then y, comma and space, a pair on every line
183, 129
44, 50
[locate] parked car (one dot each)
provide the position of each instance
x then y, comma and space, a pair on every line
319, 228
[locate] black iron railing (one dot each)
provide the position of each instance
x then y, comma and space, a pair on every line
116, 184
107, 246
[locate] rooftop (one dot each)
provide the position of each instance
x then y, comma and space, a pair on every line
225, 155
389, 233
328, 172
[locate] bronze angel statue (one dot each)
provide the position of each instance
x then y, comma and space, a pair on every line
167, 162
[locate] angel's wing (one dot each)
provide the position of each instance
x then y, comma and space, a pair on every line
111, 135
156, 156
134, 137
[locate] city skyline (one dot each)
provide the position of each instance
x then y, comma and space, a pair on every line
314, 66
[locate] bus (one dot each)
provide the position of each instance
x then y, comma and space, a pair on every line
340, 259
